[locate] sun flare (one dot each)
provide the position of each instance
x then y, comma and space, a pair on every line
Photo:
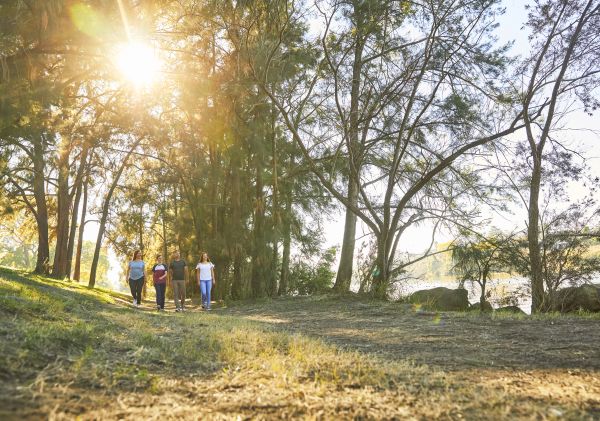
138, 63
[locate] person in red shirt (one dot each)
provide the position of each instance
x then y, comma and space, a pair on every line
159, 275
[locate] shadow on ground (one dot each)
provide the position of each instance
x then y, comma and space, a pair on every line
450, 341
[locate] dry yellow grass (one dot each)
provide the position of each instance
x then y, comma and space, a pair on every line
67, 352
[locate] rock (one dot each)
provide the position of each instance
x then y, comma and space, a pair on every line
443, 299
585, 297
487, 307
510, 309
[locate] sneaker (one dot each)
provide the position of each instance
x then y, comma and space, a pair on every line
135, 302
158, 308
177, 310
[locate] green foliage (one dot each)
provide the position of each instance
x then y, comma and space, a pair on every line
307, 277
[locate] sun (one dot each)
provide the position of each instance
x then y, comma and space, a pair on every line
138, 63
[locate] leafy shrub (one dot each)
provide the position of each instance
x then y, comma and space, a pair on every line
310, 277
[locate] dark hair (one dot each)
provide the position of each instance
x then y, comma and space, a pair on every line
158, 255
135, 254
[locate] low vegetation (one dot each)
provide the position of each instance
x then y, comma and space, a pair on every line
68, 351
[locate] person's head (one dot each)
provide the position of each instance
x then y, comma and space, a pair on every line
137, 255
176, 255
204, 257
159, 258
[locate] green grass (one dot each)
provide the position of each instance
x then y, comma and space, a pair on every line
69, 351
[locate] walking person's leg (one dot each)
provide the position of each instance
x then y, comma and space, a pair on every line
176, 293
203, 293
208, 290
161, 295
132, 288
182, 289
139, 288
157, 290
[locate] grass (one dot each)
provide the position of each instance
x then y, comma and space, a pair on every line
67, 351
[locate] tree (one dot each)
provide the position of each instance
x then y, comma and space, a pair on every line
433, 110
477, 257
564, 65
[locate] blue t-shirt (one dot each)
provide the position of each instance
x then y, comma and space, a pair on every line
136, 269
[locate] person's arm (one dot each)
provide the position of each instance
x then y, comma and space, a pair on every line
212, 272
127, 273
165, 274
197, 274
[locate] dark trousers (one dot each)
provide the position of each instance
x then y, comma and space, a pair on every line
160, 294
136, 286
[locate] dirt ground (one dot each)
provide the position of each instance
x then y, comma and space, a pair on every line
449, 341
551, 360
69, 353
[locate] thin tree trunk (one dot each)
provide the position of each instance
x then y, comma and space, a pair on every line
77, 271
537, 282
59, 268
39, 191
236, 216
73, 229
79, 180
345, 269
104, 216
287, 242
258, 253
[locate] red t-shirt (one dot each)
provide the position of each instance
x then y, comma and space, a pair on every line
158, 271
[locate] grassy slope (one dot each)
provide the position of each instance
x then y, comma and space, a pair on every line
67, 351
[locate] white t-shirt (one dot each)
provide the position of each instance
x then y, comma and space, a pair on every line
205, 271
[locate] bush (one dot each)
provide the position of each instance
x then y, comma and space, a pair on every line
308, 277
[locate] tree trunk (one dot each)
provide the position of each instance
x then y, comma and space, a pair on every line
381, 273
73, 229
258, 253
344, 274
77, 271
164, 229
79, 181
59, 268
287, 242
237, 286
39, 191
535, 259
104, 216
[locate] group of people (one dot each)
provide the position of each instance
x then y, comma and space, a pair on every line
176, 274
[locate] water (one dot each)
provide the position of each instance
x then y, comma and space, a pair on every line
503, 292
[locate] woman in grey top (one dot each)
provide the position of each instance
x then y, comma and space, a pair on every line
135, 277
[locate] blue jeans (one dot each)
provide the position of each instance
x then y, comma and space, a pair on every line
205, 287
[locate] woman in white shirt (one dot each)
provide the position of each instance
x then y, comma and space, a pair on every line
205, 274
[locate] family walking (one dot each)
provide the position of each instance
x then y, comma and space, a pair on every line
176, 274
